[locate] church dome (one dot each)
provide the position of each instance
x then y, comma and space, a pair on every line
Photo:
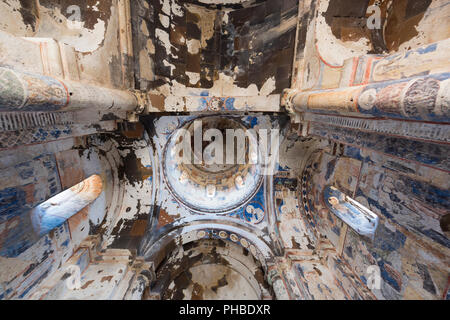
208, 182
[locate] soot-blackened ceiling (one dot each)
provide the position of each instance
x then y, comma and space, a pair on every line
195, 44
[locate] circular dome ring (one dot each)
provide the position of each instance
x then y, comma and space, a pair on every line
207, 189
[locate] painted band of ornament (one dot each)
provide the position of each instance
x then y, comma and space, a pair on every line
424, 98
13, 121
426, 131
224, 235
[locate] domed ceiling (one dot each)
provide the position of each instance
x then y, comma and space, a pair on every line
205, 183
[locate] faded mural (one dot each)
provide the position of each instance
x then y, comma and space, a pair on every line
95, 205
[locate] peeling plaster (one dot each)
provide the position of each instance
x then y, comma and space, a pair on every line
335, 51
